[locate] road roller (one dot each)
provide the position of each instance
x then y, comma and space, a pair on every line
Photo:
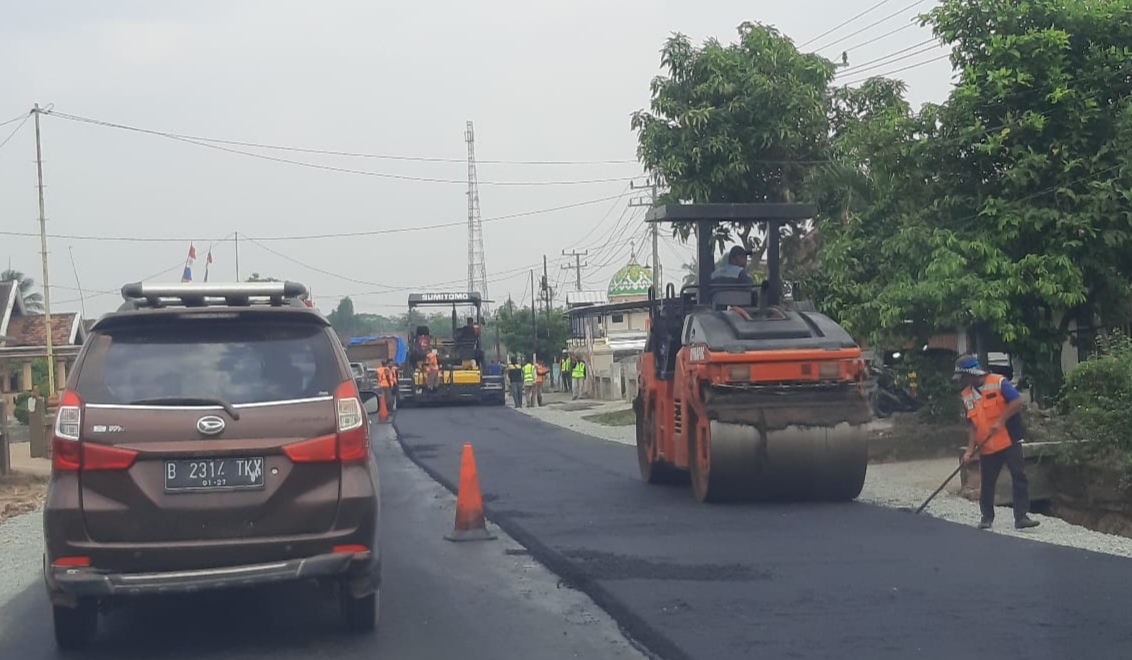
748, 394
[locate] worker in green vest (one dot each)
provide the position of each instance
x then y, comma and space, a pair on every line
564, 372
529, 382
579, 376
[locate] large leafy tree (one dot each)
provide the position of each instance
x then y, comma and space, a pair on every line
514, 330
33, 300
743, 122
1007, 208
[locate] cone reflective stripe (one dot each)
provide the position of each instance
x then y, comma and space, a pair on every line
470, 522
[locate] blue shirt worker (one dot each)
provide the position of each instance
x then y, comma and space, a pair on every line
735, 270
995, 431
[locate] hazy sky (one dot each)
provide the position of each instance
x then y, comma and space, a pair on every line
543, 81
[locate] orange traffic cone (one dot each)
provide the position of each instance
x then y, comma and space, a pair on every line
382, 409
470, 523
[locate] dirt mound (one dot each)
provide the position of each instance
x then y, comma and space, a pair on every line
21, 493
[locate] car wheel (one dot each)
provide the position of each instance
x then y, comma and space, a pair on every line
361, 614
75, 627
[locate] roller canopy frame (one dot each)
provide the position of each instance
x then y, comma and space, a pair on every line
706, 216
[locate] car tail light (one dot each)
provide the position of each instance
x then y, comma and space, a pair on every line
316, 450
351, 442
71, 561
66, 452
353, 436
69, 453
349, 549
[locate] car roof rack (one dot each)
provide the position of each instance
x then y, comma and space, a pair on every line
142, 295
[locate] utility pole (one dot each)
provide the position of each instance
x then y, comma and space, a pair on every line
547, 293
657, 272
578, 266
534, 321
237, 256
43, 245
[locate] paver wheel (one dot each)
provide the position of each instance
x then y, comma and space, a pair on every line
76, 627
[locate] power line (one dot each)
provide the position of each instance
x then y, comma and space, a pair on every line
905, 68
855, 68
307, 237
875, 23
14, 130
354, 154
837, 27
879, 37
328, 168
22, 115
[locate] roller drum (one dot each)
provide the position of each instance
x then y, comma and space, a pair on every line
793, 463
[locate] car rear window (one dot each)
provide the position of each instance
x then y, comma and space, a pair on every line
237, 361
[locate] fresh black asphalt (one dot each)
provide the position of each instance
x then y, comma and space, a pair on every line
470, 601
714, 582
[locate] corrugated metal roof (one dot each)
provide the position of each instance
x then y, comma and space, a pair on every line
586, 298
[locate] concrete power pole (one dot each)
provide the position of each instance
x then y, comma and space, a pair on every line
577, 267
43, 245
657, 271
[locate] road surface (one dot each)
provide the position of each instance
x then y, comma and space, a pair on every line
474, 601
845, 581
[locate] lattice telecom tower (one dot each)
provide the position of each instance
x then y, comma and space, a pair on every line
477, 268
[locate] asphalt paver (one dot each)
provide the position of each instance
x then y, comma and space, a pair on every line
713, 582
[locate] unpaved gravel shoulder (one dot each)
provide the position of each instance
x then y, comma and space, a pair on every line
21, 554
895, 485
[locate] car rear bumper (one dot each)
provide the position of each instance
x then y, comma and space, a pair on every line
67, 583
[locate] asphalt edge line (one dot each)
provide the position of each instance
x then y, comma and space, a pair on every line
639, 633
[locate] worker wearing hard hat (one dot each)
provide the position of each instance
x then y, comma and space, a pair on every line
995, 431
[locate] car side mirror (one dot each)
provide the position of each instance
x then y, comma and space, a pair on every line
370, 402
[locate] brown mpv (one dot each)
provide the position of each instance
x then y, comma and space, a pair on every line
210, 436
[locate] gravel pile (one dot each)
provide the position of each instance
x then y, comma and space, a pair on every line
895, 485
21, 547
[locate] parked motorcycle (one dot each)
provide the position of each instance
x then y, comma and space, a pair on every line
889, 395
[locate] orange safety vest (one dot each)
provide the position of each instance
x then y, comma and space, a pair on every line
431, 362
984, 407
542, 371
384, 377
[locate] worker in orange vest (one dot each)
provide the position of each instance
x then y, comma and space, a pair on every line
385, 383
432, 369
995, 431
540, 381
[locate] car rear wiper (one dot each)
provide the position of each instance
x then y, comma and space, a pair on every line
190, 401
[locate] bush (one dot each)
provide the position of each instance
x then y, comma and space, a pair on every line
1096, 397
935, 389
21, 407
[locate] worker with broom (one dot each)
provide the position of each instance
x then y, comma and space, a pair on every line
995, 431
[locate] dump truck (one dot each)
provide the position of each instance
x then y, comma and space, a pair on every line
748, 396
459, 375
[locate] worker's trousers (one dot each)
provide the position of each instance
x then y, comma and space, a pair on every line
990, 467
565, 381
517, 394
578, 387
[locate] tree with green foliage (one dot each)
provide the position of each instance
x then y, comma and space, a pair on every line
256, 277
745, 122
514, 327
32, 299
1006, 209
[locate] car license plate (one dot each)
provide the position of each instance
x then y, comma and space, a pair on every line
214, 474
